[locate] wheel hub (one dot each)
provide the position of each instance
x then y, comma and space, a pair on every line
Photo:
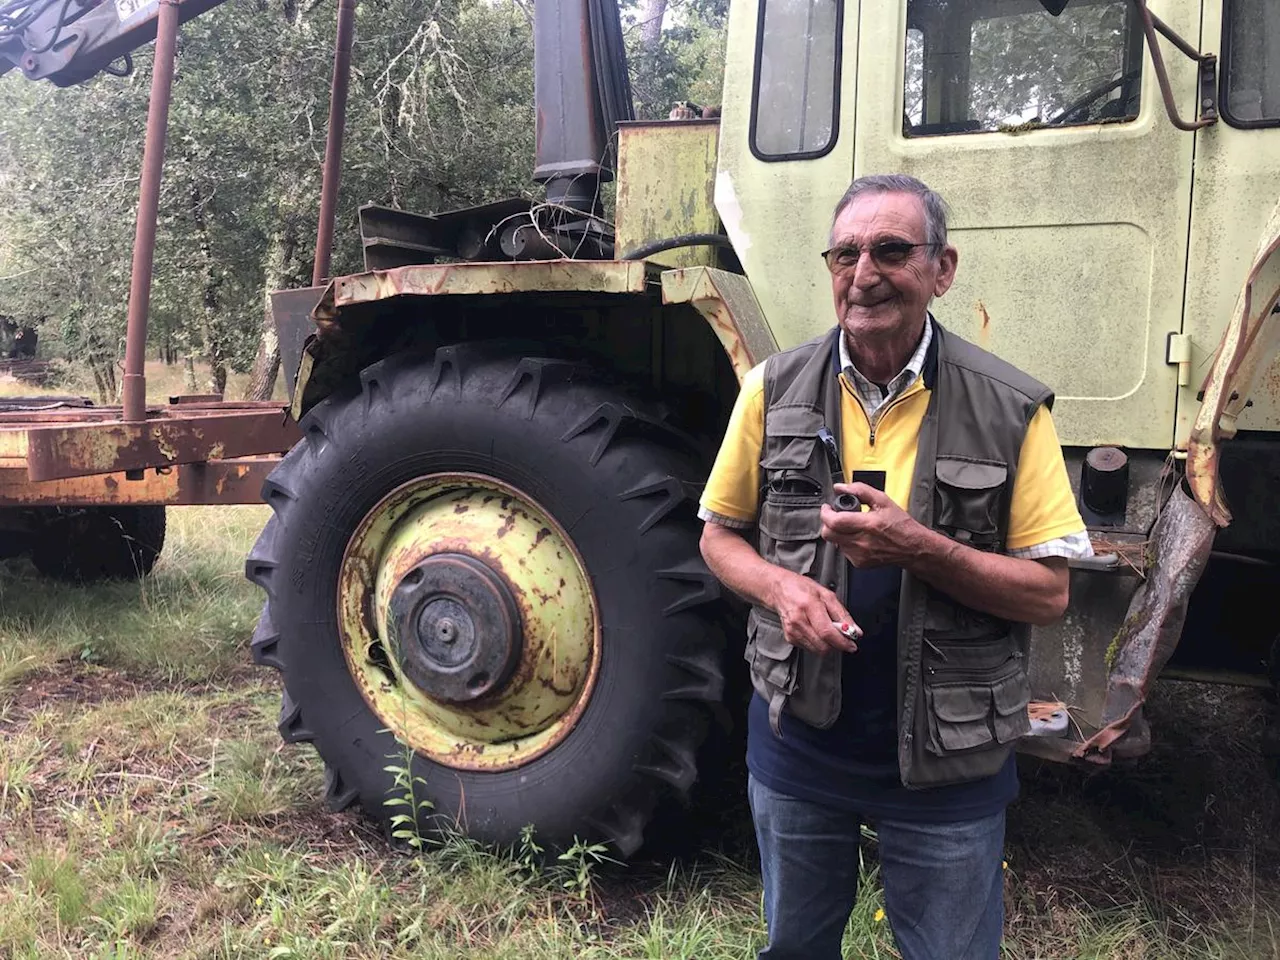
468, 621
455, 628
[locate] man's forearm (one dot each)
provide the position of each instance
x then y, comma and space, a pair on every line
1025, 591
737, 565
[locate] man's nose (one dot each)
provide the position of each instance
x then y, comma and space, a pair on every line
866, 272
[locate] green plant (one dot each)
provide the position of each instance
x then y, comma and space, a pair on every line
406, 826
577, 866
528, 853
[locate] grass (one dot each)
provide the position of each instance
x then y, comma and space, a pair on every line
148, 810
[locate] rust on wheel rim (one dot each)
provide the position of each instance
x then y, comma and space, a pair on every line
468, 621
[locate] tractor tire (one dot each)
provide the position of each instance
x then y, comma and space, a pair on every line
484, 474
86, 544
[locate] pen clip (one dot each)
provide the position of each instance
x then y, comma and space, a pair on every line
833, 454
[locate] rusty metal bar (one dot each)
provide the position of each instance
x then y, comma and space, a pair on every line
1174, 37
1149, 29
60, 451
23, 419
134, 393
221, 482
190, 398
333, 140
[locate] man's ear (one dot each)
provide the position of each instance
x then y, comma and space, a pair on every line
946, 271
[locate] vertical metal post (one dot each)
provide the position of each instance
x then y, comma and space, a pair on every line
333, 140
144, 239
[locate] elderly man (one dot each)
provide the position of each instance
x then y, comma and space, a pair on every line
906, 718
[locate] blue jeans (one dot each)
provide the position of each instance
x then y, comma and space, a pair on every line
943, 882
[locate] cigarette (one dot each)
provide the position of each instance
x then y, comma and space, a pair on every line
847, 629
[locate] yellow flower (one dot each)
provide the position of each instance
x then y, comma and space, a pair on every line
1004, 864
257, 902
879, 916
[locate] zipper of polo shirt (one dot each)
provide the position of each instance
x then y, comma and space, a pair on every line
884, 412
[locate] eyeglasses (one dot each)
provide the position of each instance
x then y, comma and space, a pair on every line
886, 253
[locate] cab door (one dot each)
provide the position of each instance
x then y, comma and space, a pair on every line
786, 150
1069, 188
1237, 185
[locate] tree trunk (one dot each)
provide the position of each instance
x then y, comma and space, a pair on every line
215, 351
102, 377
189, 373
266, 363
281, 269
651, 23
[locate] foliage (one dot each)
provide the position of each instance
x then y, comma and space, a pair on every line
1023, 64
440, 116
687, 61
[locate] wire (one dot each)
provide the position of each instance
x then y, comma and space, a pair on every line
16, 15
57, 31
123, 70
684, 240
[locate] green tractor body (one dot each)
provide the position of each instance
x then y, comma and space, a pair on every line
484, 553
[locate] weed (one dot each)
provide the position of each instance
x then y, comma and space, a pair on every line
528, 853
408, 825
18, 764
56, 877
577, 865
147, 810
132, 909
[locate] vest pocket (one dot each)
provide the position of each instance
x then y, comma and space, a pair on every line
968, 712
775, 663
773, 660
790, 438
969, 500
790, 530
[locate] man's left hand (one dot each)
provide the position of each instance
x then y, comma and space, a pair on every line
882, 535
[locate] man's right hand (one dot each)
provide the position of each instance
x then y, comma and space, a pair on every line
810, 614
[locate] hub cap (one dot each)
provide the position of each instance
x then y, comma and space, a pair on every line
455, 628
468, 621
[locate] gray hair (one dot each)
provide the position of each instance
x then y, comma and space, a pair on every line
935, 208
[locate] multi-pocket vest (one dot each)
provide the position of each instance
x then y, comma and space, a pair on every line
962, 687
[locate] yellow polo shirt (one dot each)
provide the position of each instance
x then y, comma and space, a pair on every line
1043, 507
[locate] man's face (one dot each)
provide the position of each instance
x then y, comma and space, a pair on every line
877, 298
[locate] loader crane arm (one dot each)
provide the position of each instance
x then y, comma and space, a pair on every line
68, 41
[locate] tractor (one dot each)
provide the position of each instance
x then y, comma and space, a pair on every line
483, 559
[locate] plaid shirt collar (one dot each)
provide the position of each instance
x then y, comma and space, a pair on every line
872, 398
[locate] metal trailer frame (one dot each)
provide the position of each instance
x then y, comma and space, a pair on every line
193, 450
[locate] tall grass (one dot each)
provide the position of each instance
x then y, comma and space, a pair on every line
186, 622
149, 810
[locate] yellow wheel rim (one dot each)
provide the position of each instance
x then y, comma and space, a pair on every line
468, 621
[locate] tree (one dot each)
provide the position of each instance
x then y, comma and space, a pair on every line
441, 115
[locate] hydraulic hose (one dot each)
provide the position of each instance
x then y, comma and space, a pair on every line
671, 243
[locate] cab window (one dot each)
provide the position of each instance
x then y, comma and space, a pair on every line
984, 65
795, 100
1251, 63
